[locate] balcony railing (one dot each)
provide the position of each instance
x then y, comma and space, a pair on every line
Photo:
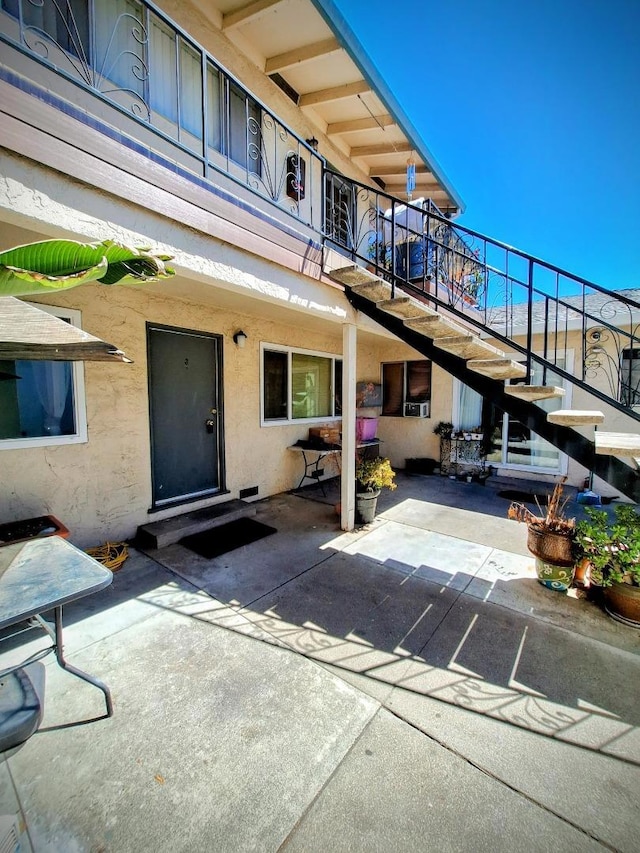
130, 55
540, 311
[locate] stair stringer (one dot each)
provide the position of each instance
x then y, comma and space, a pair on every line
618, 474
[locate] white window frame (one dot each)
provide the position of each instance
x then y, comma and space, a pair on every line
289, 420
80, 407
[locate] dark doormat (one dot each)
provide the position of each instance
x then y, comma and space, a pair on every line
227, 537
524, 497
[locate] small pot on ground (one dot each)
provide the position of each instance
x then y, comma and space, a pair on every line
366, 503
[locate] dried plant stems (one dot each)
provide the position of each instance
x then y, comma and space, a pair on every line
553, 520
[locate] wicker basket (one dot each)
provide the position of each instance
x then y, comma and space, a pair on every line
551, 547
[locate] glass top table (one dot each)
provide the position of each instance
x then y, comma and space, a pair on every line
39, 575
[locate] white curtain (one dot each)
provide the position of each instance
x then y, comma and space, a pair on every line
119, 51
52, 381
469, 407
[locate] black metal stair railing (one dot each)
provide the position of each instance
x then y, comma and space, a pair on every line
533, 308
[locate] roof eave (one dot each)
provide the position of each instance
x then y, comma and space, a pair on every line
347, 38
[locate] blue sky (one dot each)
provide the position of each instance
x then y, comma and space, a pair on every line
532, 109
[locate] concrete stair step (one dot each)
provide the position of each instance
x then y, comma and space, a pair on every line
617, 444
532, 393
353, 275
497, 368
574, 417
376, 291
405, 307
159, 534
468, 346
435, 326
363, 282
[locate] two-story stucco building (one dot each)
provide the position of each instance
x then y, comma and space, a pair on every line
256, 144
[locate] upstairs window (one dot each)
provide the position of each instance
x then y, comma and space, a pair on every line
405, 382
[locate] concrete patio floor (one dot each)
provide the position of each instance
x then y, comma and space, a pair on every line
408, 686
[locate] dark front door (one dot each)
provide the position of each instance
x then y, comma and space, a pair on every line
184, 392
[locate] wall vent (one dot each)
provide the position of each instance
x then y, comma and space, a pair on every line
248, 493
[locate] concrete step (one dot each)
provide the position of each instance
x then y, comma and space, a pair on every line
159, 534
617, 444
353, 275
532, 393
434, 325
497, 368
468, 346
405, 307
574, 417
376, 290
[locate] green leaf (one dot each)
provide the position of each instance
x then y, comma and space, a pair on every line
128, 264
61, 264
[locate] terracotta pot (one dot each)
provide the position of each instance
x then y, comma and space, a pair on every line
550, 547
622, 601
582, 574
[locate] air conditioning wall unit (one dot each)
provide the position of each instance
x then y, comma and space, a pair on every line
417, 410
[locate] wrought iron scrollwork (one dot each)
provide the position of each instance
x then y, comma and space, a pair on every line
614, 354
272, 161
53, 31
352, 220
603, 359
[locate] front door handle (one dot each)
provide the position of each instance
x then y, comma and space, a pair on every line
210, 425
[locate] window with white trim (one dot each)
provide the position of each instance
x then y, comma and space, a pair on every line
42, 402
299, 385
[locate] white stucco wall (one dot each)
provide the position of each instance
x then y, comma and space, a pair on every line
102, 489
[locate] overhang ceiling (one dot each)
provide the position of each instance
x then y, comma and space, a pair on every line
313, 50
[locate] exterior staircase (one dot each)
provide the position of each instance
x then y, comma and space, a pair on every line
458, 346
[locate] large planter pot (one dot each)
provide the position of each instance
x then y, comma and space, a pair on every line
366, 506
622, 601
550, 547
554, 576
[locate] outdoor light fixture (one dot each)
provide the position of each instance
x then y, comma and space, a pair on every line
312, 143
239, 338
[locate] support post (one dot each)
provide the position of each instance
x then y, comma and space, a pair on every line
348, 466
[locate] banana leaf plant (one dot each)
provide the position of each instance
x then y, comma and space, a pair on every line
52, 265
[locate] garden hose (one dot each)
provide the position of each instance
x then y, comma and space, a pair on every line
112, 554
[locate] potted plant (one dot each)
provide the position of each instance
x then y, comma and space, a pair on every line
608, 552
379, 253
372, 475
550, 538
443, 429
